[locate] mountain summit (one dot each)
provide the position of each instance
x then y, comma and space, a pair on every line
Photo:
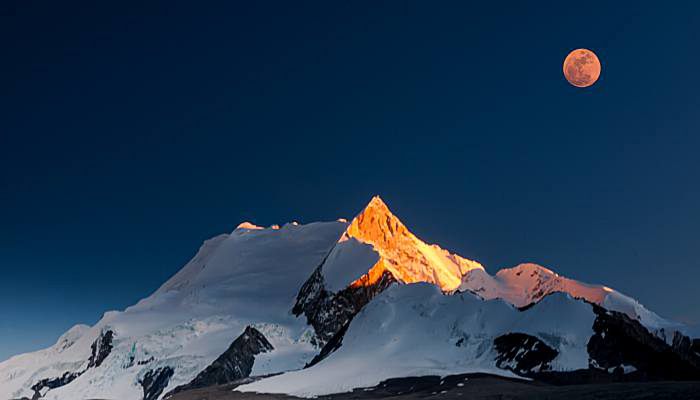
406, 257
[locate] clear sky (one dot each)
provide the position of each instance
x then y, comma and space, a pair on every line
131, 133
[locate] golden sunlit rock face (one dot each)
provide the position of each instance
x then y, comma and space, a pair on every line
401, 253
582, 68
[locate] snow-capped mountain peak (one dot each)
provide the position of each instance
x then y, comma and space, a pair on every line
409, 259
377, 224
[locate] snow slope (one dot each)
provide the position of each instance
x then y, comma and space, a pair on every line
414, 330
251, 276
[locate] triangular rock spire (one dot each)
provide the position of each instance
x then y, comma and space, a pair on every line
377, 225
408, 258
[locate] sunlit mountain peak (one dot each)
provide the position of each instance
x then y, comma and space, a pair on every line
408, 258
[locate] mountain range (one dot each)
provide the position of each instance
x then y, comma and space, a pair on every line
328, 307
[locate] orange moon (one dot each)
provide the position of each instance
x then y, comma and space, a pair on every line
582, 68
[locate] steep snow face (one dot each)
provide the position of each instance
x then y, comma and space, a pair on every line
526, 284
347, 262
400, 252
189, 272
413, 330
249, 277
71, 336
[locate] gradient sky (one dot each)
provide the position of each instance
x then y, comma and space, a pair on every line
129, 134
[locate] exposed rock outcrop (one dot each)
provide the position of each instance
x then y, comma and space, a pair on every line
333, 344
328, 312
523, 354
235, 363
44, 385
620, 341
620, 349
155, 381
695, 347
101, 348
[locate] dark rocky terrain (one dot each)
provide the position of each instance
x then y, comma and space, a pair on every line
234, 364
101, 348
329, 313
479, 387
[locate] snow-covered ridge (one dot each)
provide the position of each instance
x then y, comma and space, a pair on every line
527, 284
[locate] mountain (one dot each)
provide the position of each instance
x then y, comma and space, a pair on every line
343, 305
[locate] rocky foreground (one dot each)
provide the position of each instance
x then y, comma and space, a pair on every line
476, 386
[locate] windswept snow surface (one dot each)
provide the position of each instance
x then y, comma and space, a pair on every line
413, 330
251, 276
347, 262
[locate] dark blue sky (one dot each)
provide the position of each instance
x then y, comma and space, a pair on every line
129, 134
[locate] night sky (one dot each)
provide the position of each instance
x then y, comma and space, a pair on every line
130, 134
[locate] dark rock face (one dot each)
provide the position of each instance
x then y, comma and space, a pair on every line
53, 383
523, 354
475, 387
332, 345
235, 363
101, 348
329, 312
683, 345
146, 361
155, 381
619, 340
620, 349
695, 347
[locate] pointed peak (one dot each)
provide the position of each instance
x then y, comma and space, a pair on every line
377, 202
376, 206
407, 258
376, 224
377, 209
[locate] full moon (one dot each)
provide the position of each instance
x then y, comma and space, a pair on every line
582, 68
